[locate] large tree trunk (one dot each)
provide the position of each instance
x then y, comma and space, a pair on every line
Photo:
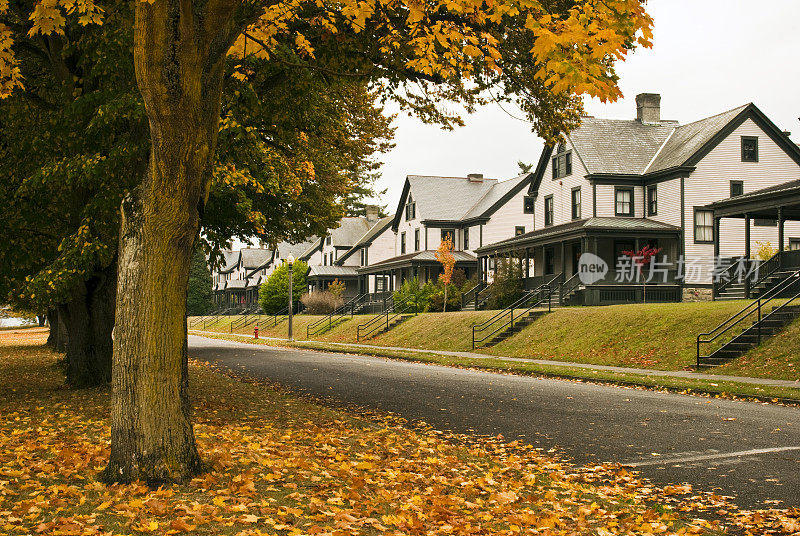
179, 72
89, 321
52, 321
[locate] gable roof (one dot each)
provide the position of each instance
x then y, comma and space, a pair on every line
619, 147
687, 139
230, 259
454, 199
349, 231
374, 232
251, 258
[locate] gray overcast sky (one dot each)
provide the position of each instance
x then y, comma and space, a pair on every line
708, 56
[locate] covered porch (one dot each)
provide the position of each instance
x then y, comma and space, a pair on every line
388, 275
777, 204
555, 256
319, 277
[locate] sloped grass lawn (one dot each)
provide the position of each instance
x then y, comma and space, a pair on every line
659, 336
279, 465
778, 357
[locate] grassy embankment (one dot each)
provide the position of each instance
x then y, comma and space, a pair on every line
279, 465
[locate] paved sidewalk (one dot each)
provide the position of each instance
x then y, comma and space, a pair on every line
475, 355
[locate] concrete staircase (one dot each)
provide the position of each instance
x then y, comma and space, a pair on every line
770, 325
519, 324
393, 323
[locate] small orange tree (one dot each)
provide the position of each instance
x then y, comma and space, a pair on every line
445, 256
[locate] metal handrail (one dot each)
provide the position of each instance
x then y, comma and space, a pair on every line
727, 277
218, 317
545, 290
246, 319
383, 320
204, 318
568, 286
472, 294
335, 315
388, 308
754, 307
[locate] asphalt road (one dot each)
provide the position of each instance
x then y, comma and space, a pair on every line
748, 450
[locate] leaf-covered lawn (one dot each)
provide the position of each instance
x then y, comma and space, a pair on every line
280, 465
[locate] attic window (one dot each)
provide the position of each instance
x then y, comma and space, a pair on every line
562, 165
749, 149
411, 209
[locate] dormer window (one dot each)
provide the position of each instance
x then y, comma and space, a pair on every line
411, 209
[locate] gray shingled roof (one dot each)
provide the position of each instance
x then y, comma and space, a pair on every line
688, 139
235, 284
332, 271
494, 195
252, 258
630, 147
595, 224
369, 236
229, 261
446, 198
349, 231
618, 145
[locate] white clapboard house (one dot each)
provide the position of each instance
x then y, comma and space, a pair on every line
616, 185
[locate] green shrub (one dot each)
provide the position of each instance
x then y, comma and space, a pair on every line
412, 294
274, 293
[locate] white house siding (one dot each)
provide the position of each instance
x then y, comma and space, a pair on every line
668, 197
711, 182
315, 259
382, 247
606, 201
502, 223
561, 190
408, 227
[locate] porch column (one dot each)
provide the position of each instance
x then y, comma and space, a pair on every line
746, 252
563, 259
527, 263
781, 233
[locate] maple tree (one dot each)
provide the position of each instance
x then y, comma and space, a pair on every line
444, 254
543, 54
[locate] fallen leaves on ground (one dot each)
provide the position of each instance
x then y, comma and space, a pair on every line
279, 465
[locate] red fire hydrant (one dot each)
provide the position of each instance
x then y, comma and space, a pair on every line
255, 332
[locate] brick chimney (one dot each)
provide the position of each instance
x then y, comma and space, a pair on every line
648, 107
372, 213
475, 177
